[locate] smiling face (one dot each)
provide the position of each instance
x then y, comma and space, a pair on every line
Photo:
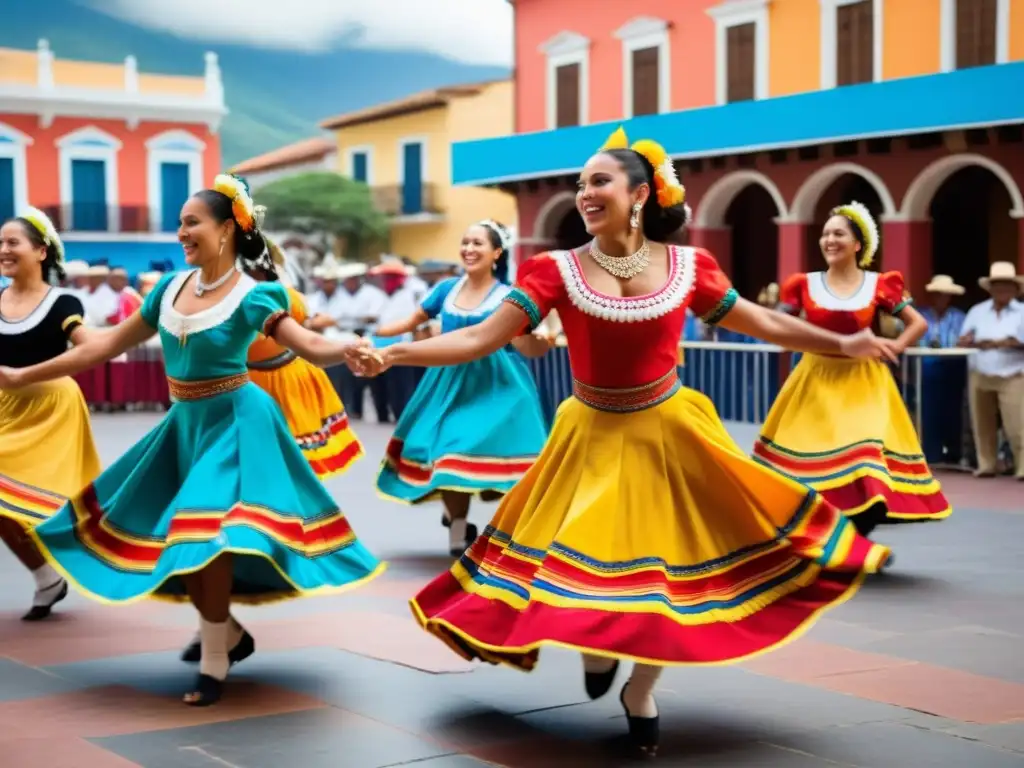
21, 252
477, 251
603, 196
838, 243
201, 235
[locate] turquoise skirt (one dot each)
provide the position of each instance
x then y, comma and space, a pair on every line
219, 474
473, 428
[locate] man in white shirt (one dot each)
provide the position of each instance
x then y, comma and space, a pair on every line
996, 383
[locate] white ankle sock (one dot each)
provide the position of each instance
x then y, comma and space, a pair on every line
595, 665
214, 638
639, 695
48, 584
235, 631
457, 533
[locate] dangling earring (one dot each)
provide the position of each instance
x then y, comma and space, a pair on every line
223, 242
634, 220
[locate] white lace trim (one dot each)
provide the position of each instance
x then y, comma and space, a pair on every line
491, 301
630, 309
179, 325
35, 317
820, 294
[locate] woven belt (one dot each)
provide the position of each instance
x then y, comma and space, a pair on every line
272, 363
629, 399
197, 390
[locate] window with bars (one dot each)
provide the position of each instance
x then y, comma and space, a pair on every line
855, 43
740, 62
975, 33
567, 95
646, 86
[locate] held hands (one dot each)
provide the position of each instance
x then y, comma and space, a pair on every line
365, 361
868, 346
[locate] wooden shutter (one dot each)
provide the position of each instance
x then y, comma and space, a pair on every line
975, 33
567, 95
855, 43
740, 62
646, 87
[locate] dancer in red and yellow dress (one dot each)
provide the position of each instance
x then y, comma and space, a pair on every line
839, 425
643, 531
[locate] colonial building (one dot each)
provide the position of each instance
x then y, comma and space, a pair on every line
109, 151
776, 110
402, 150
306, 156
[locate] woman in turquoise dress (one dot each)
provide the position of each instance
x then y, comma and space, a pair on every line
471, 429
217, 503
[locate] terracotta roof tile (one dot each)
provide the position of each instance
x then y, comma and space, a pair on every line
435, 97
301, 151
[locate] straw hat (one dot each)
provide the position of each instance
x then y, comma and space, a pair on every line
346, 271
944, 284
1001, 272
76, 268
99, 270
389, 268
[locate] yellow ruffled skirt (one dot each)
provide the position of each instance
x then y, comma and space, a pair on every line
647, 535
313, 411
47, 453
840, 426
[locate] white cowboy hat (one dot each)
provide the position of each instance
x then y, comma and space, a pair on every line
944, 284
346, 271
98, 271
1001, 271
76, 268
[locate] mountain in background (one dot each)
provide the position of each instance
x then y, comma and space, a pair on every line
275, 97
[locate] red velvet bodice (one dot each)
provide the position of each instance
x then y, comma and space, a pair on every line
623, 342
810, 293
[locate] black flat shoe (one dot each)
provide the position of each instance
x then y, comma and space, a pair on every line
244, 648
471, 533
208, 691
599, 683
446, 522
40, 612
644, 732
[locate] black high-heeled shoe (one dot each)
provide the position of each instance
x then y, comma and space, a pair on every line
471, 533
40, 612
644, 732
599, 683
244, 648
207, 692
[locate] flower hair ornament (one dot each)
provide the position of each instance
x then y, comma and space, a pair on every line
668, 188
503, 234
861, 217
46, 230
242, 207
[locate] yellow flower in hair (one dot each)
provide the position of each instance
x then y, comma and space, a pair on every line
669, 190
617, 140
861, 216
652, 150
241, 204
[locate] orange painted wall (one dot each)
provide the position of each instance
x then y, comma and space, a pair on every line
1016, 30
794, 47
42, 157
691, 42
912, 38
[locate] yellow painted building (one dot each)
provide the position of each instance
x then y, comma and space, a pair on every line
402, 150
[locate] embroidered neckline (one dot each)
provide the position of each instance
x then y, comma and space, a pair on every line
178, 325
629, 309
35, 317
490, 302
821, 295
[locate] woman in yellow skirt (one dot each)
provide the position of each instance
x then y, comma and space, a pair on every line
46, 447
839, 425
642, 531
314, 414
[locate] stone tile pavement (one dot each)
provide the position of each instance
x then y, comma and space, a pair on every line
924, 668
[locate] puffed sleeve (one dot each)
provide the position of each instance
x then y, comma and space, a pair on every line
69, 312
265, 306
297, 306
891, 293
713, 294
151, 304
538, 288
791, 294
434, 300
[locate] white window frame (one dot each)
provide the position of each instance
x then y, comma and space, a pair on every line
563, 49
13, 148
735, 14
636, 35
365, 149
89, 143
947, 26
830, 40
176, 146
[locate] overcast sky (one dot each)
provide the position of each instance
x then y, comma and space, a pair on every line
469, 31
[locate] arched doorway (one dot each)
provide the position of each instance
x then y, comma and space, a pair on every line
754, 242
971, 228
847, 188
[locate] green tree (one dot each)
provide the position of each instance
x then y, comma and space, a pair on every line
326, 203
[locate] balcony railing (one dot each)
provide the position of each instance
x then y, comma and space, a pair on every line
400, 200
92, 217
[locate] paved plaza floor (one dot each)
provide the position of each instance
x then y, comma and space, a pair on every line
925, 667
